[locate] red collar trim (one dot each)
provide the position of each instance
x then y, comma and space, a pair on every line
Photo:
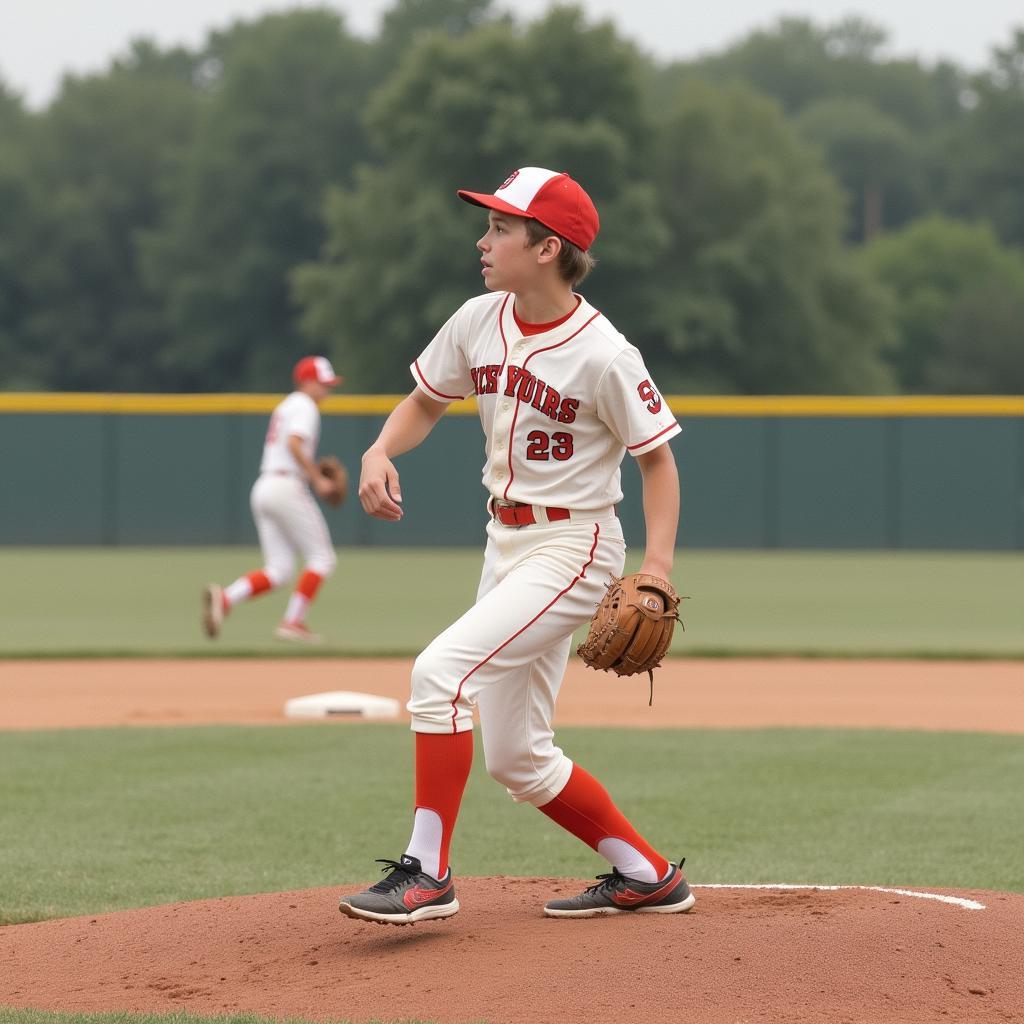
529, 329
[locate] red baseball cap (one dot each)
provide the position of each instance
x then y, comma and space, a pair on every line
315, 368
554, 199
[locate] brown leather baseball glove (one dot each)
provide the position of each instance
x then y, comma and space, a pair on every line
336, 473
632, 627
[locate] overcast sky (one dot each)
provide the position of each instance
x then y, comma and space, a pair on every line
42, 39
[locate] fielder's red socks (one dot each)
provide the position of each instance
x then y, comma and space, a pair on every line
249, 585
305, 591
309, 584
442, 768
585, 809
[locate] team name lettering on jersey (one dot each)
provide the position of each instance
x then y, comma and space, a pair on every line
485, 379
526, 387
559, 409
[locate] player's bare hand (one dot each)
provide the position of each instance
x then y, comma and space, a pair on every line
321, 485
379, 491
660, 567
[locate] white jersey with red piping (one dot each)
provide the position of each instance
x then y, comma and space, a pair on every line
559, 409
295, 415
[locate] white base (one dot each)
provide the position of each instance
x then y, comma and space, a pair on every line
341, 704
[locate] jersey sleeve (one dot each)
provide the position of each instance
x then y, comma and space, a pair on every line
632, 407
442, 369
301, 417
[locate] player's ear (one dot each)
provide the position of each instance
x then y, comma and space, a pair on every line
548, 249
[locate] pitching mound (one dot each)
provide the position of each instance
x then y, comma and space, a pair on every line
742, 955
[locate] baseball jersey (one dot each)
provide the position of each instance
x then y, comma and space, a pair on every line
559, 409
296, 414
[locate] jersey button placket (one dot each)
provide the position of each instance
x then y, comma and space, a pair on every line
503, 431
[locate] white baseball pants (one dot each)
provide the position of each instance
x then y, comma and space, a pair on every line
289, 521
507, 654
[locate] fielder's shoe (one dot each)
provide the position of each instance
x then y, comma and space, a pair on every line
406, 896
213, 609
617, 894
297, 631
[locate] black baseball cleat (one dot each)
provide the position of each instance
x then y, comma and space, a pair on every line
406, 896
617, 894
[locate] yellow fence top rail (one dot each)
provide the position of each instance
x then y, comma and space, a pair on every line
381, 405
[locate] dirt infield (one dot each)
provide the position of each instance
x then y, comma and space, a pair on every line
825, 955
986, 696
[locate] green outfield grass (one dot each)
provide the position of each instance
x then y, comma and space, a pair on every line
98, 820
389, 601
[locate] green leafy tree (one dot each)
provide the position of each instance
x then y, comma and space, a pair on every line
872, 156
13, 116
986, 153
97, 157
958, 296
756, 292
16, 229
407, 21
798, 63
897, 112
465, 111
979, 344
282, 120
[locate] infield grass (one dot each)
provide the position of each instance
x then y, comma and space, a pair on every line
106, 819
91, 602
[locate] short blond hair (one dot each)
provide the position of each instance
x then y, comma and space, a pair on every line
574, 263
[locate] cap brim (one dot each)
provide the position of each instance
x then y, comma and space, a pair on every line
491, 202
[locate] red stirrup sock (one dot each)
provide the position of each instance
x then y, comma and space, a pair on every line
259, 581
442, 768
309, 584
585, 809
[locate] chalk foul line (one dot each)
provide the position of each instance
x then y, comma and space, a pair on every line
956, 901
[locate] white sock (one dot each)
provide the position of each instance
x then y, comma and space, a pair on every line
297, 606
240, 590
628, 860
425, 842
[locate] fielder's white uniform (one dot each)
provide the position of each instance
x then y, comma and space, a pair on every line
559, 410
288, 519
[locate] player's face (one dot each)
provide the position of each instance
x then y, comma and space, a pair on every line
507, 264
317, 391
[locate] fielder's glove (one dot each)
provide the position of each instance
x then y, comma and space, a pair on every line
337, 475
632, 627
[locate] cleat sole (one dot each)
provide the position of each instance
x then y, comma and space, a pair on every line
423, 914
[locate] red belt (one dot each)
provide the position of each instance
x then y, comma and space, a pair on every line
522, 515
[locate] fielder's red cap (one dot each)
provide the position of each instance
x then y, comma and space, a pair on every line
315, 368
554, 199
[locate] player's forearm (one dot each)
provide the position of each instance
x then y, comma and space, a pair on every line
408, 425
661, 509
297, 449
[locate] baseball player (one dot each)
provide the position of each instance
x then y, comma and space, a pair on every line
289, 522
562, 397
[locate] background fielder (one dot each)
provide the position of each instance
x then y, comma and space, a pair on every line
562, 396
288, 520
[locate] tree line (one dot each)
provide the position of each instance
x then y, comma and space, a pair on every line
799, 213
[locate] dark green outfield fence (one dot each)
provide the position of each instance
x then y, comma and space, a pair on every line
756, 472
